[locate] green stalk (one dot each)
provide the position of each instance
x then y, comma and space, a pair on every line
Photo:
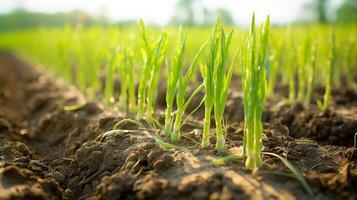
273, 72
207, 71
311, 75
250, 99
158, 57
302, 69
181, 103
254, 86
329, 72
175, 135
174, 73
244, 70
206, 125
216, 83
131, 80
123, 98
221, 86
109, 81
127, 94
153, 57
350, 67
291, 60
146, 51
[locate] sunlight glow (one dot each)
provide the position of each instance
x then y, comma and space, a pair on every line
161, 11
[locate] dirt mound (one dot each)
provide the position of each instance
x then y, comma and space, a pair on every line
324, 127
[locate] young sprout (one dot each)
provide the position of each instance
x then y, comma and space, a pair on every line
158, 57
336, 67
123, 97
216, 82
128, 55
254, 86
311, 75
127, 91
173, 77
207, 71
302, 58
181, 93
221, 85
291, 67
350, 59
146, 50
274, 62
153, 57
113, 58
329, 70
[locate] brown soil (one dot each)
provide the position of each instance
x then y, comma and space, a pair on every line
48, 152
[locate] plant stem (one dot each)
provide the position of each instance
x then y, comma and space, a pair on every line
206, 128
220, 140
168, 121
175, 136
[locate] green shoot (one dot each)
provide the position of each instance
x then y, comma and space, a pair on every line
158, 57
146, 51
173, 77
254, 86
222, 161
153, 57
274, 62
311, 75
123, 98
221, 84
130, 76
291, 67
350, 63
182, 104
302, 58
216, 83
167, 145
276, 59
329, 74
127, 91
110, 73
207, 71
74, 107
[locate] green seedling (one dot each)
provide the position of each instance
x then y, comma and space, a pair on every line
153, 57
173, 78
311, 75
181, 102
254, 86
329, 74
216, 83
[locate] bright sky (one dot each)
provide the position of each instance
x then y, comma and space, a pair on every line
160, 11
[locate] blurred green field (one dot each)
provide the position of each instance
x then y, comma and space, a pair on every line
76, 49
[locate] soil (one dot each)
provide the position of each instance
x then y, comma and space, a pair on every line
48, 151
